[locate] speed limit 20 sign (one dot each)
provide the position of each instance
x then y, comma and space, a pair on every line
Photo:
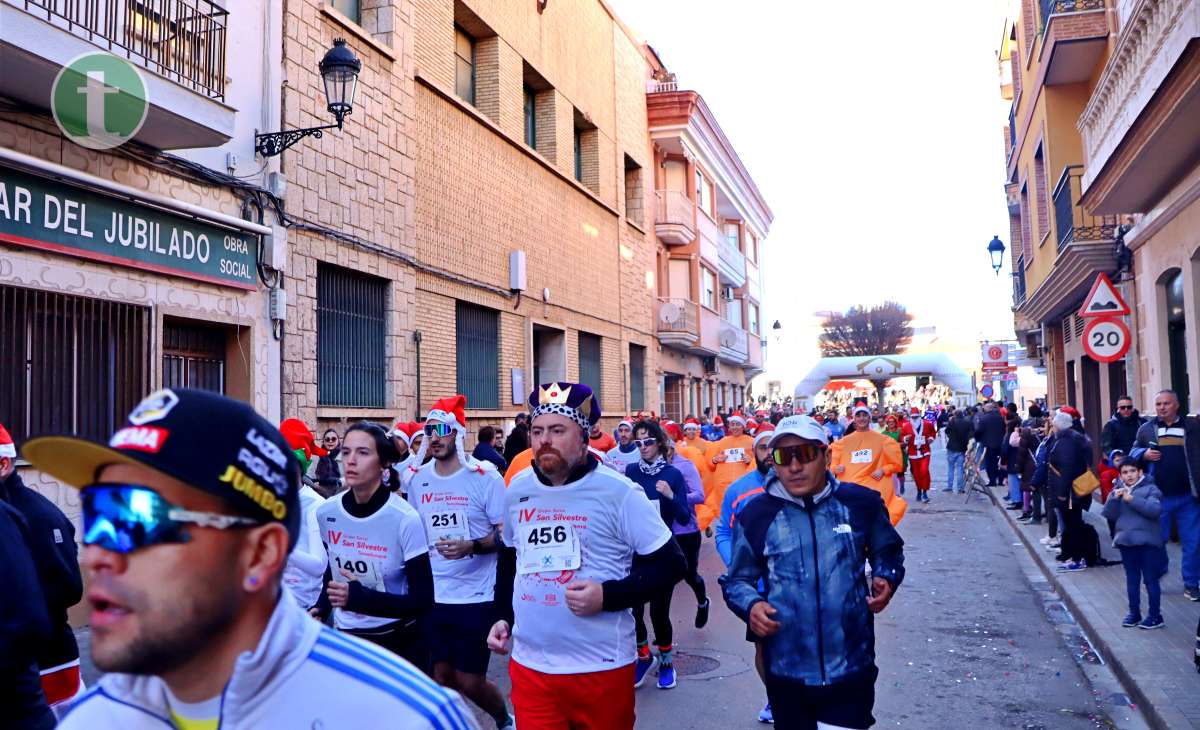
1106, 339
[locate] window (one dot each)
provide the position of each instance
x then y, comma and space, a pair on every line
349, 8
708, 288
733, 312
679, 279
530, 117
634, 193
464, 66
704, 193
752, 313
589, 362
71, 364
578, 154
351, 329
477, 335
731, 235
1043, 196
193, 355
751, 247
637, 377
1174, 300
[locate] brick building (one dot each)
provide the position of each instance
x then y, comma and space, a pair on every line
532, 180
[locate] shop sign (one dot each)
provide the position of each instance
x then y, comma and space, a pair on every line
47, 214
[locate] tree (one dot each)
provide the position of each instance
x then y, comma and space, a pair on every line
883, 329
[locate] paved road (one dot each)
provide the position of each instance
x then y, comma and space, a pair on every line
973, 639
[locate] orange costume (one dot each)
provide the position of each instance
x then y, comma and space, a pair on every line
520, 463
739, 460
861, 454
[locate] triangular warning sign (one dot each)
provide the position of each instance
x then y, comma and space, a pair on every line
1103, 300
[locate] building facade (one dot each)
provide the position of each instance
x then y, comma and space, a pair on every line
1051, 57
710, 222
1141, 141
129, 268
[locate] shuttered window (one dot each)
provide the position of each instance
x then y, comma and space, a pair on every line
589, 361
70, 365
477, 335
351, 329
193, 356
637, 377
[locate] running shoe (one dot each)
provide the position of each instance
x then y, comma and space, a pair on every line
1192, 594
641, 668
1152, 622
666, 676
1046, 540
702, 614
765, 716
1131, 619
1072, 566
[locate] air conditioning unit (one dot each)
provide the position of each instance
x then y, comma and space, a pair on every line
727, 293
710, 366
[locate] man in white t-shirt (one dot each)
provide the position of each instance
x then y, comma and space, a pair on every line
624, 453
573, 530
461, 503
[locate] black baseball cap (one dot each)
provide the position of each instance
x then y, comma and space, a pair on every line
216, 444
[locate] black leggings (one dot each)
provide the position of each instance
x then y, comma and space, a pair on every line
660, 618
689, 542
405, 639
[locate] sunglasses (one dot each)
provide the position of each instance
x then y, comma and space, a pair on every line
1124, 408
125, 517
438, 429
802, 453
642, 443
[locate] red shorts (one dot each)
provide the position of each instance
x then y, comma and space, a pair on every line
589, 701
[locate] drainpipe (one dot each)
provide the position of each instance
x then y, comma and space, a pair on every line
417, 341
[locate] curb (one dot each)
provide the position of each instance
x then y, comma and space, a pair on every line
1149, 711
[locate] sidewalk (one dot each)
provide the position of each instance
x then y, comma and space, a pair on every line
1155, 667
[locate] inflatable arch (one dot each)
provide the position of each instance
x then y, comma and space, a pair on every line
885, 367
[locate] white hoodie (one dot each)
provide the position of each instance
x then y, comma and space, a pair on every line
301, 675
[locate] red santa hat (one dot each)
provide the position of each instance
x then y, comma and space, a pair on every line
718, 422
765, 427
7, 448
673, 430
1070, 411
294, 432
405, 430
691, 423
737, 417
915, 412
450, 412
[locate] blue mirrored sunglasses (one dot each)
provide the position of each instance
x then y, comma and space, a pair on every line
439, 429
126, 517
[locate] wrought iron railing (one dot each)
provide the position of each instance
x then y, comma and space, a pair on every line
1071, 221
1018, 278
1012, 127
182, 40
1058, 7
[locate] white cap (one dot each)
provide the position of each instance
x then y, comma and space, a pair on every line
858, 409
802, 426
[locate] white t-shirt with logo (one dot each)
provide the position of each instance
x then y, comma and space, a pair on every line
462, 506
618, 459
373, 548
586, 530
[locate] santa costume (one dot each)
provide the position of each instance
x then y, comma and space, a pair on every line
919, 453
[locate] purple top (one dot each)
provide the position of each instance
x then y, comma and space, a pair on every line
695, 496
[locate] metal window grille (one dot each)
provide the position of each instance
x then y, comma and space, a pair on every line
477, 336
70, 365
637, 377
193, 356
589, 361
351, 332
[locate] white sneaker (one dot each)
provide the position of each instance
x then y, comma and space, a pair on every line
1045, 540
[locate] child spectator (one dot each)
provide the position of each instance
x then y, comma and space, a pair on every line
1136, 505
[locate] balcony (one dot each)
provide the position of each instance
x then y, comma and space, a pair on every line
674, 217
1071, 222
731, 263
1074, 41
754, 360
735, 347
685, 325
1018, 278
181, 43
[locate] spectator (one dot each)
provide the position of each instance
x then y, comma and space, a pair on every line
1067, 458
1025, 456
1121, 430
989, 431
1171, 444
24, 628
819, 654
958, 435
329, 467
1135, 507
1008, 459
486, 451
51, 543
518, 438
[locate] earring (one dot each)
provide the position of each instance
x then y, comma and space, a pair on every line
251, 582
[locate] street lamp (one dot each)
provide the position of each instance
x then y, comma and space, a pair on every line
339, 73
996, 251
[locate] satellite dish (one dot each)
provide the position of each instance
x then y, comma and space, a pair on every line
669, 312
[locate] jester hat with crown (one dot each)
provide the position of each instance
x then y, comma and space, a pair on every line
450, 411
576, 401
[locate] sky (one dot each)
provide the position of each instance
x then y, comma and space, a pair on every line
874, 131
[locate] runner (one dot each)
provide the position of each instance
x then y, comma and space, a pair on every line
737, 496
379, 581
308, 559
576, 528
893, 430
188, 516
869, 458
728, 460
919, 453
664, 486
601, 440
461, 503
625, 452
688, 535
